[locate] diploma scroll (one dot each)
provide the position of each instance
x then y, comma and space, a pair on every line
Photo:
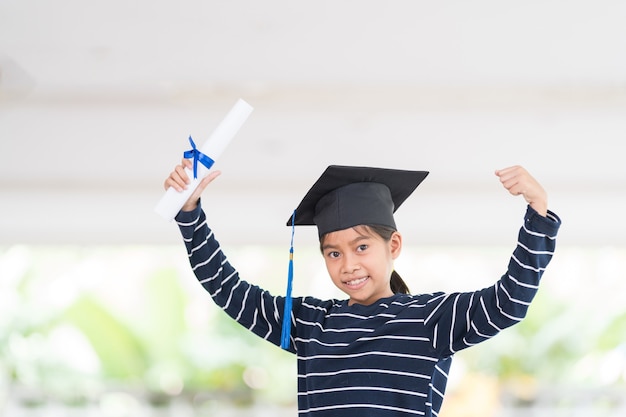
171, 203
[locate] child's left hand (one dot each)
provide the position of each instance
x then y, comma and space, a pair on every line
179, 180
519, 182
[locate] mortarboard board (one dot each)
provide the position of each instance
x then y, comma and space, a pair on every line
347, 196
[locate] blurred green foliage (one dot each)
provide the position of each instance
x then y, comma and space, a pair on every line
122, 354
148, 342
153, 331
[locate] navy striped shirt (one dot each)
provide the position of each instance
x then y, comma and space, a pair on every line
387, 359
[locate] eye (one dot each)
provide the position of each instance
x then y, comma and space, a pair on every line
333, 254
361, 248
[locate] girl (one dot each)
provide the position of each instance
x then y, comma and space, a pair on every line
381, 352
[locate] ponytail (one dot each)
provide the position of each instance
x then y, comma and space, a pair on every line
398, 286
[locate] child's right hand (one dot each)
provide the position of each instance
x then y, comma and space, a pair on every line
519, 182
179, 180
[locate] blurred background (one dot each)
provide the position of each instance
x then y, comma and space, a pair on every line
100, 314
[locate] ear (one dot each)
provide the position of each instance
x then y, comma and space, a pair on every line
395, 244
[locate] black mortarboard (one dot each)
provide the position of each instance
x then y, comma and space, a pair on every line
346, 196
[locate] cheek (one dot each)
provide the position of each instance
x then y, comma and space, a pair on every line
334, 272
330, 267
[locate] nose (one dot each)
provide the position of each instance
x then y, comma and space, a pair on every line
350, 264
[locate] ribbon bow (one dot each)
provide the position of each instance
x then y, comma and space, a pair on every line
197, 157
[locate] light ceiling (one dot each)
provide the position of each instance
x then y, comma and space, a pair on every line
97, 100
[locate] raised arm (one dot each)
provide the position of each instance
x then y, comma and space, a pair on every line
461, 320
251, 306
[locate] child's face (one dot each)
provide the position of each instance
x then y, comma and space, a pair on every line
360, 263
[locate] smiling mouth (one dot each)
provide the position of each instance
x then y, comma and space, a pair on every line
356, 282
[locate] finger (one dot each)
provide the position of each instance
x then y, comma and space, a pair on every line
514, 183
209, 178
187, 163
516, 189
513, 186
182, 175
509, 172
177, 179
203, 184
509, 180
171, 181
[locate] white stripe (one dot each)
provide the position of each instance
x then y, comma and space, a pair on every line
243, 304
406, 321
486, 336
211, 278
230, 296
445, 297
199, 226
515, 300
316, 324
532, 268
356, 316
276, 312
380, 407
468, 319
482, 304
371, 353
543, 235
412, 303
198, 247
198, 265
501, 309
468, 343
191, 223
451, 337
414, 338
364, 339
441, 371
435, 390
254, 320
522, 284
307, 305
228, 278
554, 219
219, 289
263, 312
364, 370
534, 252
398, 391
319, 342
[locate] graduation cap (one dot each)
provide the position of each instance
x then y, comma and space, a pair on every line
348, 196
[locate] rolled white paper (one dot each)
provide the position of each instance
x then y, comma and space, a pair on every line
171, 203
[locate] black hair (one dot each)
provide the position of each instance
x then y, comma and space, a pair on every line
398, 286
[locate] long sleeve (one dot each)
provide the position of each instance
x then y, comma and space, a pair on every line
461, 320
254, 308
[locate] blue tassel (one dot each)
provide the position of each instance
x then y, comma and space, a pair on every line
286, 330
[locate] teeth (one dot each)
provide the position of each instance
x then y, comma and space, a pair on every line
356, 281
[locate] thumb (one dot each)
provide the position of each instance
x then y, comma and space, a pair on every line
191, 202
206, 181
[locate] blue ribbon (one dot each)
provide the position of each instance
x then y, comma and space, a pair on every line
197, 157
286, 330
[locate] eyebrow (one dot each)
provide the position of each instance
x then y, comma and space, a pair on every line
352, 242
